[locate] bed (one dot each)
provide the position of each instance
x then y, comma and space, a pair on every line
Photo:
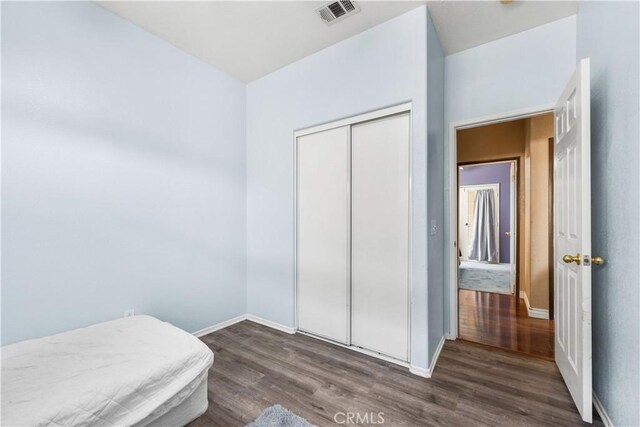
134, 371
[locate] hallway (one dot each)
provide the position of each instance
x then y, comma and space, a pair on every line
502, 321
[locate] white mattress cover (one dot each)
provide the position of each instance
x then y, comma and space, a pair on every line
190, 409
111, 374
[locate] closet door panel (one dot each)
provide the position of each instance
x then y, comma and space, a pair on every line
322, 243
380, 236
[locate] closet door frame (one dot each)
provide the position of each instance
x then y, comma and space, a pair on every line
350, 121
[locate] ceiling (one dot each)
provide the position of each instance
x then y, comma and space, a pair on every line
250, 39
465, 24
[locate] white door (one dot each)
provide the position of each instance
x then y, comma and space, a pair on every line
513, 218
572, 242
380, 236
322, 244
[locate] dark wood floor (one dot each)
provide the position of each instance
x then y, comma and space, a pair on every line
256, 367
502, 321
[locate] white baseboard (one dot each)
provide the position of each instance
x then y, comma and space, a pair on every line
421, 372
270, 324
601, 411
426, 373
218, 326
251, 317
537, 313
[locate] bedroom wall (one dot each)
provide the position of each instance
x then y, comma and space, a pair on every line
435, 190
380, 67
524, 70
608, 33
499, 173
122, 179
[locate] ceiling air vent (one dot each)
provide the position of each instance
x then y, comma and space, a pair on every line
336, 11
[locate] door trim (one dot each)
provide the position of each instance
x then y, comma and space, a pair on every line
452, 222
406, 107
364, 117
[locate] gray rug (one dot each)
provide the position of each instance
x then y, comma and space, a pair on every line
277, 416
484, 277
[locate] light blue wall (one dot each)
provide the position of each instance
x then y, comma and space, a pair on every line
520, 71
123, 175
526, 70
435, 190
608, 34
383, 66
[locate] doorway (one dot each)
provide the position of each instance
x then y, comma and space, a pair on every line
504, 232
570, 254
486, 226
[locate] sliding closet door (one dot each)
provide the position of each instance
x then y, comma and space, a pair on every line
322, 243
380, 236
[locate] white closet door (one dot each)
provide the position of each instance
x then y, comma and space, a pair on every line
322, 244
380, 236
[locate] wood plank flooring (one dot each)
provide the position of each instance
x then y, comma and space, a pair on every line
256, 367
502, 321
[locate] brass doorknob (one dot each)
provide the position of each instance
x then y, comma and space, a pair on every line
597, 260
570, 258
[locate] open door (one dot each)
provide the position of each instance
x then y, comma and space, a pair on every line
572, 239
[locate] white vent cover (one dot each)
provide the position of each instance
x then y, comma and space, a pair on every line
336, 11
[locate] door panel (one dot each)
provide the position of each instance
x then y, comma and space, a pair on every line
322, 245
572, 225
380, 236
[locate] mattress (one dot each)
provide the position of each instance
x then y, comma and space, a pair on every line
125, 372
190, 409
